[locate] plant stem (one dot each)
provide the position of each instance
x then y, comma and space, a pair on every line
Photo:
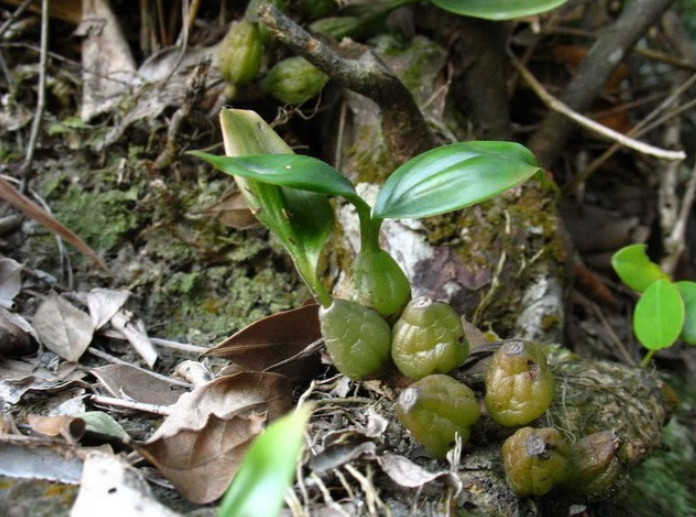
369, 227
646, 360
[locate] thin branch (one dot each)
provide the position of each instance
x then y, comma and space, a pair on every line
405, 129
560, 107
40, 100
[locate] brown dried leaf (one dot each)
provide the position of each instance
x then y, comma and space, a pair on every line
407, 474
69, 427
201, 464
17, 336
103, 304
10, 281
276, 343
199, 446
128, 382
233, 211
20, 377
63, 328
242, 393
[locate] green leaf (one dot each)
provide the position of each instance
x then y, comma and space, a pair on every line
453, 176
635, 269
267, 469
289, 170
659, 315
301, 220
688, 293
498, 9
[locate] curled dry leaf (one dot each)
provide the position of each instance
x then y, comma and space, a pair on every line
10, 281
135, 333
69, 427
200, 445
410, 475
17, 336
128, 382
281, 342
232, 210
103, 304
63, 328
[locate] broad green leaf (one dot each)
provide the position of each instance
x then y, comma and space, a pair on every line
453, 176
289, 170
267, 469
635, 269
301, 220
659, 315
498, 9
688, 293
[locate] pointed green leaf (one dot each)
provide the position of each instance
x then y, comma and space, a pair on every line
267, 469
659, 315
453, 176
301, 220
635, 269
688, 293
289, 170
498, 9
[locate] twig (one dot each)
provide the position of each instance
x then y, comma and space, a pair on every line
645, 125
16, 14
405, 129
675, 241
40, 99
155, 409
560, 107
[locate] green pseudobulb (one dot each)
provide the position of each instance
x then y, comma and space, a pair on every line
436, 409
519, 385
427, 339
356, 337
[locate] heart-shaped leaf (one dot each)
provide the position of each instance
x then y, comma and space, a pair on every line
635, 269
688, 293
659, 315
498, 9
453, 176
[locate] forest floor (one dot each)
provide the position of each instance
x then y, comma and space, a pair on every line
95, 351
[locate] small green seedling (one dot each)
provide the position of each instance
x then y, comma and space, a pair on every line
268, 468
289, 194
666, 310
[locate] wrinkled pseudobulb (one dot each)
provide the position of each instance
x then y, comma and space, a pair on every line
519, 385
435, 409
535, 460
594, 465
356, 337
428, 339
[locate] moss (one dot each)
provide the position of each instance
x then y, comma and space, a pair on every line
102, 219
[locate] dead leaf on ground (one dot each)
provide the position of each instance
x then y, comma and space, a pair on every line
29, 375
69, 427
107, 62
43, 458
202, 463
127, 382
103, 304
410, 475
109, 480
10, 281
17, 337
277, 343
199, 446
135, 333
64, 329
232, 210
